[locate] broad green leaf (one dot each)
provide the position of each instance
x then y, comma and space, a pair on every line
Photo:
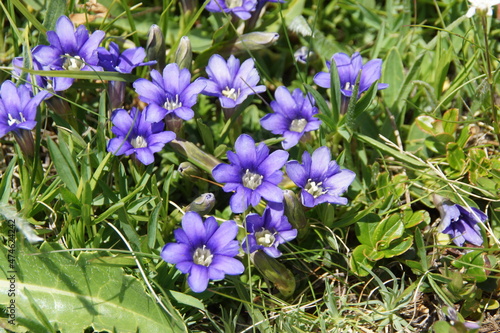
64, 168
393, 75
359, 259
450, 121
397, 248
412, 218
75, 294
6, 182
366, 228
455, 156
388, 230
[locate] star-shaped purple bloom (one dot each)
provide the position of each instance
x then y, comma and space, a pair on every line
267, 232
69, 49
231, 82
320, 178
348, 69
240, 8
124, 62
461, 224
253, 174
170, 93
204, 250
18, 108
43, 82
137, 136
293, 117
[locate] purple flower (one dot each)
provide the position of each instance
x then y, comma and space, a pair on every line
253, 174
43, 82
125, 62
18, 108
320, 178
69, 49
267, 232
461, 223
137, 136
170, 93
231, 82
294, 115
204, 250
348, 69
240, 8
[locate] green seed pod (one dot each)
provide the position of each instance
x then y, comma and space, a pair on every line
184, 54
202, 205
155, 47
275, 272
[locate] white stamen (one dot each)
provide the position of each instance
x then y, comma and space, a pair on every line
11, 121
171, 104
298, 125
234, 3
265, 238
251, 180
73, 63
231, 93
347, 86
202, 256
315, 189
139, 142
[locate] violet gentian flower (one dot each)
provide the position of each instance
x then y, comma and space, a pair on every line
293, 117
43, 82
69, 49
18, 108
459, 222
481, 7
348, 69
267, 232
204, 250
137, 136
170, 93
124, 62
320, 178
253, 174
231, 82
240, 8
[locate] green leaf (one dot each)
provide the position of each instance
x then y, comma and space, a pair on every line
6, 182
55, 9
455, 156
75, 294
63, 167
393, 75
359, 260
398, 248
388, 230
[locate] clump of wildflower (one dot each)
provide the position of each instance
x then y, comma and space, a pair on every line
231, 82
320, 178
204, 250
459, 222
253, 174
348, 69
125, 62
293, 116
267, 232
172, 93
481, 7
137, 136
69, 50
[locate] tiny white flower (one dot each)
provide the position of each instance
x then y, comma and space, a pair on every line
481, 6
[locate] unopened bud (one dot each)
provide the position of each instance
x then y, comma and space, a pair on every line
188, 169
255, 41
275, 272
184, 54
195, 155
155, 47
116, 90
202, 205
294, 210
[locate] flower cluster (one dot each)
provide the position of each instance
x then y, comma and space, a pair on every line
244, 9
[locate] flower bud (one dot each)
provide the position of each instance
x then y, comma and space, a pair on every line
294, 210
254, 41
275, 272
155, 47
184, 54
116, 90
188, 169
195, 155
24, 139
202, 205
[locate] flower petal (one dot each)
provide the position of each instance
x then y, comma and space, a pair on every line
226, 233
174, 253
228, 265
198, 278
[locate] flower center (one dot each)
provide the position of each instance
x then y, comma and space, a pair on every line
347, 86
252, 180
139, 142
11, 121
233, 3
298, 125
315, 189
202, 256
73, 63
231, 93
170, 104
265, 238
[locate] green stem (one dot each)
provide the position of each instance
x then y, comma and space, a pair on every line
490, 76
